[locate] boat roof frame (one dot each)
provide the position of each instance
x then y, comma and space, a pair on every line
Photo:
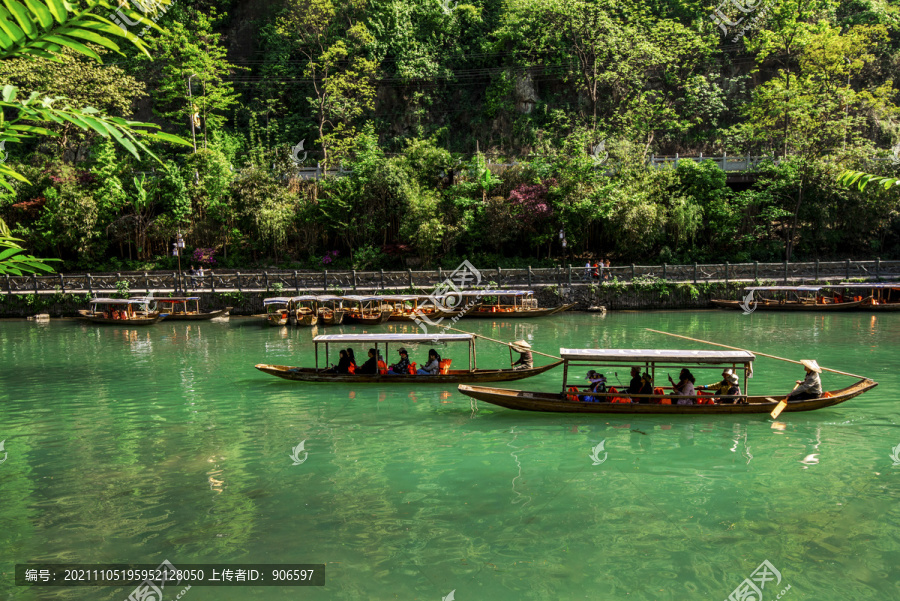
681, 357
392, 337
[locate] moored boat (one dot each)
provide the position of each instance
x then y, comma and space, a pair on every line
277, 310
572, 400
873, 297
331, 311
186, 308
788, 298
120, 312
368, 310
409, 307
497, 304
304, 310
448, 376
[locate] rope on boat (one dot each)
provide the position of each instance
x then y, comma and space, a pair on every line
734, 348
510, 344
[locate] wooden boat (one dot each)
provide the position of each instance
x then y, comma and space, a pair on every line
368, 310
873, 297
570, 401
452, 376
304, 310
787, 298
186, 308
331, 311
409, 307
120, 312
497, 304
277, 310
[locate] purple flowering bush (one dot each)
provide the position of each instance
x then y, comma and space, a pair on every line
205, 256
532, 203
330, 256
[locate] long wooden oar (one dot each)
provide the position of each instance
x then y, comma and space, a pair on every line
734, 348
497, 341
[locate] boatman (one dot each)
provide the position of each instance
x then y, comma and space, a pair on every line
811, 387
526, 360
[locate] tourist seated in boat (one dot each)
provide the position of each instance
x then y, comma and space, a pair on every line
634, 387
684, 389
811, 386
370, 367
526, 359
598, 385
433, 366
343, 366
728, 386
401, 366
646, 389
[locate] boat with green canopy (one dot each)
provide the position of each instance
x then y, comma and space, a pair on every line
329, 343
573, 399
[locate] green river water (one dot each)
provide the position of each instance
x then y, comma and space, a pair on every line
163, 442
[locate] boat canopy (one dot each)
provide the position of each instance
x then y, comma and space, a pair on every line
122, 301
329, 297
491, 293
283, 300
402, 297
409, 338
362, 299
784, 288
306, 297
864, 286
656, 355
172, 299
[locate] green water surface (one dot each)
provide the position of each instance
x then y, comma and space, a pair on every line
163, 442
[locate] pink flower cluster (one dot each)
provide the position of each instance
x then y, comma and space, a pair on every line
330, 256
206, 256
533, 200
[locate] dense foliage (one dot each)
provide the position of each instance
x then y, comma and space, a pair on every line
477, 130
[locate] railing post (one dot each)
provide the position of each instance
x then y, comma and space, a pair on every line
785, 271
847, 277
440, 275
266, 274
325, 280
34, 280
354, 279
878, 268
695, 272
238, 277
755, 271
632, 272
726, 273
8, 285
62, 284
90, 284
558, 276
499, 277
382, 280
664, 269
529, 276
409, 277
212, 281
147, 282
296, 282
570, 275
817, 269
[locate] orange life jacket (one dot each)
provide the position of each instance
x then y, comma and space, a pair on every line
351, 369
411, 370
382, 368
618, 399
445, 366
573, 397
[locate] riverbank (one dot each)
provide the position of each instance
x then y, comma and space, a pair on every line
647, 295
